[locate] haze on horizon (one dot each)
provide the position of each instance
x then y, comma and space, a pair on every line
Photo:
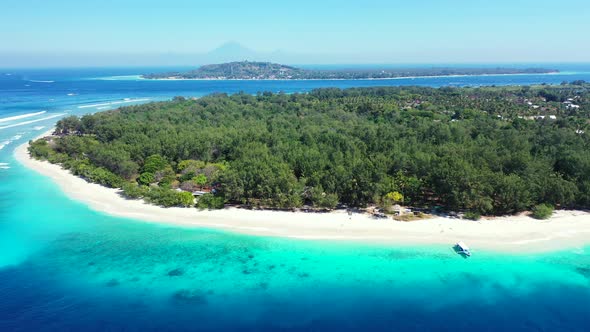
181, 32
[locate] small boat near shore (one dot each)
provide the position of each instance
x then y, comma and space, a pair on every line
462, 249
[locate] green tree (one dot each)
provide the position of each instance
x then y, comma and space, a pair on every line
542, 211
210, 201
200, 180
321, 199
146, 178
394, 197
154, 163
186, 199
469, 149
134, 191
165, 176
68, 125
163, 196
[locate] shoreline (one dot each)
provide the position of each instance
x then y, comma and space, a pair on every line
141, 77
512, 234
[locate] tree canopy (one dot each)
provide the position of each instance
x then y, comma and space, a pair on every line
486, 150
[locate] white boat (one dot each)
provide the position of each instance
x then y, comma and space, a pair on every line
462, 248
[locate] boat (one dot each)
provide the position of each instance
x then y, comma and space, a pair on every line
462, 249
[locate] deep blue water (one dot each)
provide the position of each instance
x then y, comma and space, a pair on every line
64, 267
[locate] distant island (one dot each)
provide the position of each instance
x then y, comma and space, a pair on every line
247, 70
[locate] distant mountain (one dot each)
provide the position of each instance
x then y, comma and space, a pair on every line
248, 70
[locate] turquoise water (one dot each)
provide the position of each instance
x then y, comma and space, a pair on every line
64, 267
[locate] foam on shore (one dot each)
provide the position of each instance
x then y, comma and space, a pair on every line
32, 121
3, 144
115, 103
23, 116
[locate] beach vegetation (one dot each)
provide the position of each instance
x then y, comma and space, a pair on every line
542, 211
186, 199
200, 180
154, 163
210, 201
475, 216
412, 217
68, 125
40, 149
146, 178
165, 177
104, 177
394, 197
320, 199
164, 197
133, 190
483, 150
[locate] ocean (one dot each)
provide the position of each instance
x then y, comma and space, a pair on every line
65, 267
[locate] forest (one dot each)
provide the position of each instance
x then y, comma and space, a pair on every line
486, 150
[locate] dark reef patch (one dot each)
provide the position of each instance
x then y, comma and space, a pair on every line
584, 271
176, 272
113, 283
190, 296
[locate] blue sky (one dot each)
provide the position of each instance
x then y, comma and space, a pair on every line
369, 31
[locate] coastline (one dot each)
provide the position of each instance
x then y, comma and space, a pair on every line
141, 77
513, 234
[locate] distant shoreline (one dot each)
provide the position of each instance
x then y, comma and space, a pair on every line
141, 77
253, 70
512, 234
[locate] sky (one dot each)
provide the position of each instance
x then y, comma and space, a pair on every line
180, 32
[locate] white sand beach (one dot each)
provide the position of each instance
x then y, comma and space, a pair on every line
565, 230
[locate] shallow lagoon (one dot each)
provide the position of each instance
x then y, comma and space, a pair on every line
121, 274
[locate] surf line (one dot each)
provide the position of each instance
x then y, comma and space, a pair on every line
115, 103
18, 117
32, 121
